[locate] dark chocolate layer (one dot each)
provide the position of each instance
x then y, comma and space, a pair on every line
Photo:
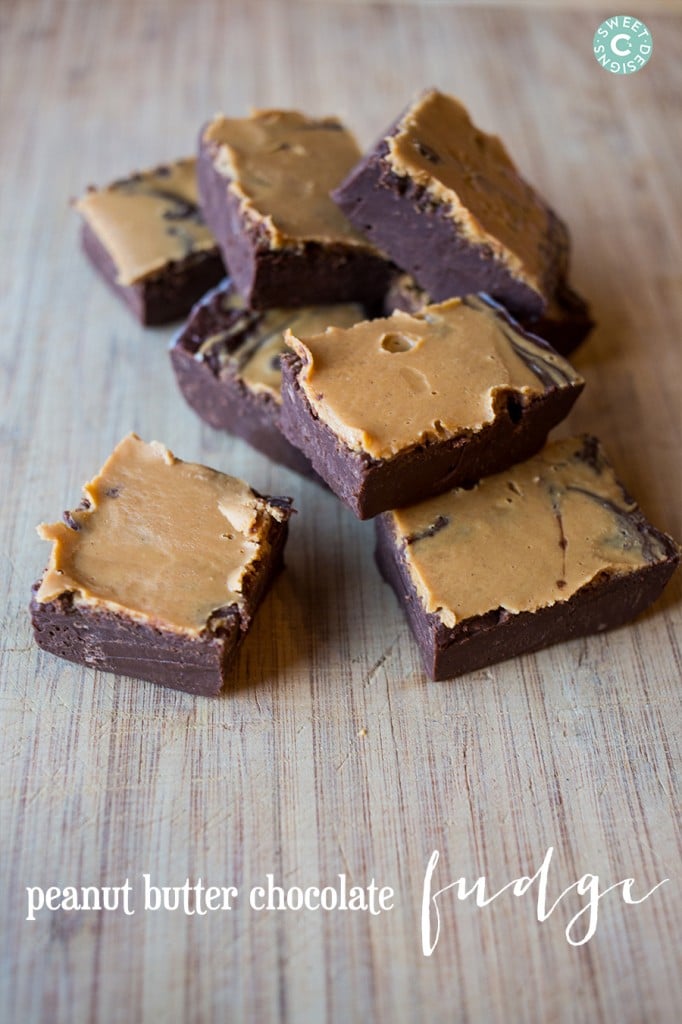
417, 232
167, 295
117, 643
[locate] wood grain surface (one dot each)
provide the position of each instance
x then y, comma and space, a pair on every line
331, 753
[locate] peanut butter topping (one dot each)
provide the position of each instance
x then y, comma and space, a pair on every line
148, 220
526, 538
282, 167
166, 542
253, 342
471, 172
389, 384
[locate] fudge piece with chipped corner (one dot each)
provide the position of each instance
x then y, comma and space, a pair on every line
157, 575
264, 182
397, 409
146, 236
446, 203
227, 364
551, 549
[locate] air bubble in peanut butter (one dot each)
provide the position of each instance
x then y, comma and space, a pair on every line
392, 383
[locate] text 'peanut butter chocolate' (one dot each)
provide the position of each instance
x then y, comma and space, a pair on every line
525, 539
165, 542
282, 166
148, 220
389, 384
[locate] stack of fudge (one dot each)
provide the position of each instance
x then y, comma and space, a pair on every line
384, 328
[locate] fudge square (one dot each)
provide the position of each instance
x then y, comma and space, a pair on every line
264, 183
146, 236
446, 203
397, 409
227, 364
551, 549
158, 573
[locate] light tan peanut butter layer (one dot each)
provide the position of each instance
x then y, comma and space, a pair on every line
523, 539
386, 385
257, 358
282, 167
148, 220
164, 541
471, 173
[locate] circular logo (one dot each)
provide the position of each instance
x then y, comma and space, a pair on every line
622, 44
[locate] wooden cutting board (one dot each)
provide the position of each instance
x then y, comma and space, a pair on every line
331, 754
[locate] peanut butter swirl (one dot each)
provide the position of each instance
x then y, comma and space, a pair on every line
148, 220
282, 166
389, 384
526, 538
472, 174
251, 345
163, 541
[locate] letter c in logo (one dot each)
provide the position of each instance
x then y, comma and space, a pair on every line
616, 49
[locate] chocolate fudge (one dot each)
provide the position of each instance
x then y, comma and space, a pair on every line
400, 408
227, 363
549, 550
146, 236
446, 203
565, 324
264, 183
158, 573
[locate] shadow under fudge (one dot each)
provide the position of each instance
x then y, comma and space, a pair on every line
311, 601
272, 645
